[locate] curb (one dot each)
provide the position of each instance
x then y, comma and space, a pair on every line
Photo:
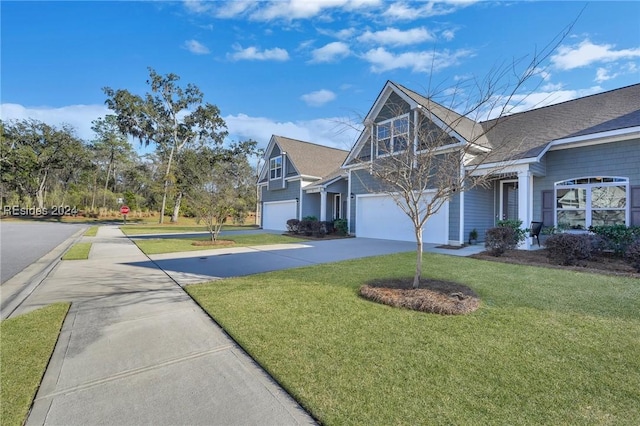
25, 282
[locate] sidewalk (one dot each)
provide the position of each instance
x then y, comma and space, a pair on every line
135, 350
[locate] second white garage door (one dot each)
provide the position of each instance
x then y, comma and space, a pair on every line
378, 216
276, 213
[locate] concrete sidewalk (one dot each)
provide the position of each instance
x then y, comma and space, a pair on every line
136, 350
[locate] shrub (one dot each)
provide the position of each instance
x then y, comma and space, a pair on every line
329, 227
318, 229
568, 249
293, 226
340, 226
500, 239
632, 255
519, 234
306, 227
310, 218
617, 237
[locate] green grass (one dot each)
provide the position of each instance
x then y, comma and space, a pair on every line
79, 251
175, 229
27, 343
91, 232
547, 346
172, 245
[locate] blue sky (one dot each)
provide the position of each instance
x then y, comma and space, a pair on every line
299, 68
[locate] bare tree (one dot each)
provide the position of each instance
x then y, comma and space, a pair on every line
421, 159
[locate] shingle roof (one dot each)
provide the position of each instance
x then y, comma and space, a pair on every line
526, 134
311, 159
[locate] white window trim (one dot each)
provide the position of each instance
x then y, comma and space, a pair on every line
622, 181
391, 134
271, 168
337, 205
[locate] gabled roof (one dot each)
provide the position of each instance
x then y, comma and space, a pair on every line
526, 134
328, 179
468, 129
309, 159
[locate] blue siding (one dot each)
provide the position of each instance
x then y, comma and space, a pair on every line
479, 210
311, 205
291, 192
620, 159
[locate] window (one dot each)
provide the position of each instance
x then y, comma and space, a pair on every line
275, 168
393, 135
591, 201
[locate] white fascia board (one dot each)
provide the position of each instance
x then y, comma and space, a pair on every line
362, 139
384, 96
267, 154
618, 135
512, 167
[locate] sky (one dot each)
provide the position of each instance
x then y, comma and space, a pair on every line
308, 70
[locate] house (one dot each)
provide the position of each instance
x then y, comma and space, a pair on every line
300, 179
570, 165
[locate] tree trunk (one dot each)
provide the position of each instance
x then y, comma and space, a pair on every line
106, 184
40, 191
166, 184
176, 208
418, 275
95, 189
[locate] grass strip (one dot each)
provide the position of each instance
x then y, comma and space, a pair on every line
91, 232
132, 230
79, 251
172, 245
27, 343
547, 346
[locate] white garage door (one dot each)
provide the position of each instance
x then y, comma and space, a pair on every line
276, 213
378, 216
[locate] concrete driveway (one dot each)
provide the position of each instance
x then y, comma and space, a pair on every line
205, 265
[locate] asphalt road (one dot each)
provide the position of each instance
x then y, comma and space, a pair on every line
22, 243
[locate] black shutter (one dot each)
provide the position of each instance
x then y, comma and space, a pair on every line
548, 207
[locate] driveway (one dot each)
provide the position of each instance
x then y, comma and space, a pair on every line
206, 265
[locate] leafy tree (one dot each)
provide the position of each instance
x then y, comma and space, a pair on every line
164, 118
35, 155
110, 147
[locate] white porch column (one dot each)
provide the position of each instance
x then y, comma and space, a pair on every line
323, 205
525, 203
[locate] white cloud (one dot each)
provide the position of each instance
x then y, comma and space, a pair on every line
587, 53
318, 98
448, 35
409, 11
78, 116
234, 8
305, 9
332, 132
196, 47
382, 60
396, 37
254, 54
330, 52
602, 74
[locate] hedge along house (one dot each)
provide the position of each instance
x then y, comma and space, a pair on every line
293, 182
570, 165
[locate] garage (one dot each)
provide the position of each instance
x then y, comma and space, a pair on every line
276, 213
378, 216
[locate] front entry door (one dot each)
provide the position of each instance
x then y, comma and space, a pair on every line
509, 200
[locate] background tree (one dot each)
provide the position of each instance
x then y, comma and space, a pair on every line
421, 173
35, 156
164, 117
225, 188
110, 148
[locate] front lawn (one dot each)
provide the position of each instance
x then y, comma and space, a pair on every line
172, 245
78, 251
547, 346
27, 343
132, 230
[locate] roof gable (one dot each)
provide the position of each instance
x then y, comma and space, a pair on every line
309, 159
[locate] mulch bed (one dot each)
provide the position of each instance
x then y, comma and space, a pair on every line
606, 264
439, 297
213, 243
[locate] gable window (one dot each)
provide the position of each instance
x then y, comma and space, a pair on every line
591, 201
393, 135
275, 168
